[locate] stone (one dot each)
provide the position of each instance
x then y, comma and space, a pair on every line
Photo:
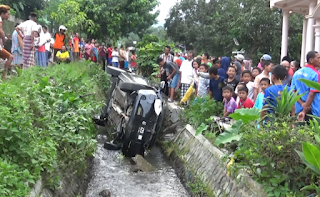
238, 194
142, 164
105, 193
225, 186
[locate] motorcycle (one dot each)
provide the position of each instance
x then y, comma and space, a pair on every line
137, 109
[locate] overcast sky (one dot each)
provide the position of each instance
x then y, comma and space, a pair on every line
164, 8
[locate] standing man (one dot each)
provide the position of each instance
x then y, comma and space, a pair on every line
47, 38
59, 39
186, 74
76, 50
26, 31
122, 57
4, 54
110, 54
167, 57
102, 55
309, 102
238, 61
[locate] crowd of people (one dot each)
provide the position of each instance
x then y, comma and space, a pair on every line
33, 45
237, 84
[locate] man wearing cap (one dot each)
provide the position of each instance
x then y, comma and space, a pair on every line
59, 38
238, 61
267, 65
26, 31
4, 54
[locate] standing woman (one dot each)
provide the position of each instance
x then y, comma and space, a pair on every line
41, 59
16, 49
26, 31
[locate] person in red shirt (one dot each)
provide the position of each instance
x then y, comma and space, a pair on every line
110, 54
244, 102
178, 62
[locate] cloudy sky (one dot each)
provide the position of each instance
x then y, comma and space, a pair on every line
164, 8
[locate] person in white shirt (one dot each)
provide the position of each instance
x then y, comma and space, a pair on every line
26, 31
48, 39
186, 73
4, 54
115, 57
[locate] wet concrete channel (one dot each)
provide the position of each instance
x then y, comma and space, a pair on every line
111, 171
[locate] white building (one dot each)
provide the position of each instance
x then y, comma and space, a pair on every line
311, 24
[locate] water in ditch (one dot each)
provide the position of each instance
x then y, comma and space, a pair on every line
113, 172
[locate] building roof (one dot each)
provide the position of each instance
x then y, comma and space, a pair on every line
295, 6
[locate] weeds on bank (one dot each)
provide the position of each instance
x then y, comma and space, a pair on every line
46, 125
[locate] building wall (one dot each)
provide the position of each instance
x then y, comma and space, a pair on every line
8, 25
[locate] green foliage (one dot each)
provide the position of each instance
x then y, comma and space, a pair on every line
284, 104
243, 117
199, 112
230, 134
45, 123
148, 50
250, 21
22, 8
269, 155
246, 115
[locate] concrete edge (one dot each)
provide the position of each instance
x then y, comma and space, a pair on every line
244, 176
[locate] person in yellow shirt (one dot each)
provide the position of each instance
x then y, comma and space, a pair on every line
63, 55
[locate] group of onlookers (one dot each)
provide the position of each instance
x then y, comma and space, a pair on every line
239, 85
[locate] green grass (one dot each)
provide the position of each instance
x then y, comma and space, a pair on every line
45, 124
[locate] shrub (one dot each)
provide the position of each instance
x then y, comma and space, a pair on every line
199, 112
270, 156
46, 124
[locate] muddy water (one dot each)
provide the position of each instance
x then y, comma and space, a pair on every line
113, 172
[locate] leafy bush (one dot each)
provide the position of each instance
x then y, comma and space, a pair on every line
270, 156
148, 50
45, 123
198, 112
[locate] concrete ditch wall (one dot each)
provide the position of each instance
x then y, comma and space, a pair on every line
206, 161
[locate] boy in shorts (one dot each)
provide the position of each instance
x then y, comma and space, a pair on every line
173, 76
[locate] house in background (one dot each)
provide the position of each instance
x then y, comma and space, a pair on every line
311, 24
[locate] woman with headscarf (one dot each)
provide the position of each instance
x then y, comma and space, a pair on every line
40, 55
16, 49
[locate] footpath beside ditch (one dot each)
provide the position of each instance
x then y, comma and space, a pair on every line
205, 161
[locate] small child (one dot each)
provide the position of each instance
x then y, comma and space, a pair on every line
230, 104
245, 102
255, 72
231, 81
240, 85
216, 84
273, 92
264, 84
247, 80
203, 84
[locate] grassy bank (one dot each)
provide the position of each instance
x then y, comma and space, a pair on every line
46, 125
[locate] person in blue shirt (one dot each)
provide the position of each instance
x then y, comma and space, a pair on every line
309, 102
216, 84
264, 84
273, 92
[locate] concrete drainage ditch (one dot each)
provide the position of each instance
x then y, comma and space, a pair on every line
195, 159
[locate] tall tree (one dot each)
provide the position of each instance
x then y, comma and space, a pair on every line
22, 8
212, 25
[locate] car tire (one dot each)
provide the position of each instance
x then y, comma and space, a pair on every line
132, 87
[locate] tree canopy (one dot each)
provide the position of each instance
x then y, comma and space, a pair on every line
212, 25
108, 19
